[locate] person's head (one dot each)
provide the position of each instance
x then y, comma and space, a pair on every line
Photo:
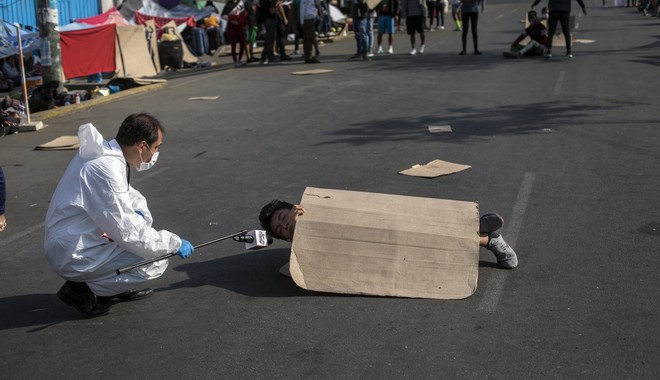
532, 17
278, 219
140, 136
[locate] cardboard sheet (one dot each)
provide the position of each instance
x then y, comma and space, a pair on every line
132, 53
312, 72
204, 97
440, 129
387, 245
434, 168
60, 143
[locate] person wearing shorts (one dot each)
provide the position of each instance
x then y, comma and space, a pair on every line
387, 12
415, 12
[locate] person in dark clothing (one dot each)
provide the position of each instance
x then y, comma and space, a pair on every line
538, 36
268, 11
470, 14
560, 10
359, 12
3, 199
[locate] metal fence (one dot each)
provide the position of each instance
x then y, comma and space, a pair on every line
25, 11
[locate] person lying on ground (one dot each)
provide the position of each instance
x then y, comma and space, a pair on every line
278, 218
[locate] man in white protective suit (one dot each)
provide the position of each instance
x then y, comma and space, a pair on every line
97, 222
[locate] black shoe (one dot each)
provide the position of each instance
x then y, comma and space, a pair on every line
131, 295
312, 60
285, 58
477, 52
489, 223
80, 296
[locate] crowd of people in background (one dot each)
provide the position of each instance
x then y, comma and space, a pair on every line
283, 21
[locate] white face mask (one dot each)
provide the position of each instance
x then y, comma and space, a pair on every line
147, 165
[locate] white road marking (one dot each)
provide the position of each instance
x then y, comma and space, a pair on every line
560, 82
494, 287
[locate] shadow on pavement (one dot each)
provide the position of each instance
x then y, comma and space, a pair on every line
41, 310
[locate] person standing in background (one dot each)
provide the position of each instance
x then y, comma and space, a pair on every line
470, 15
560, 11
3, 200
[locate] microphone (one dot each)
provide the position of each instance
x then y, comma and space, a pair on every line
255, 239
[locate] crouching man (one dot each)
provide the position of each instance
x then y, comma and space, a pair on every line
97, 222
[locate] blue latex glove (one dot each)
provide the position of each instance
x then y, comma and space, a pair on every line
186, 249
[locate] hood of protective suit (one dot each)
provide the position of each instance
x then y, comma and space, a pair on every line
92, 144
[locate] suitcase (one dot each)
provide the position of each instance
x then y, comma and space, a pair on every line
171, 54
215, 38
200, 42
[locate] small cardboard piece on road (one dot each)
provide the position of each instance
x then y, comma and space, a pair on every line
60, 143
434, 169
353, 242
204, 97
312, 72
440, 129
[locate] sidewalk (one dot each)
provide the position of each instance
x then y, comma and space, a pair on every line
221, 60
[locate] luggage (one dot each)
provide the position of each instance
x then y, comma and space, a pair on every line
215, 38
200, 42
171, 54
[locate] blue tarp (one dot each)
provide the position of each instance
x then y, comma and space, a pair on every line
9, 40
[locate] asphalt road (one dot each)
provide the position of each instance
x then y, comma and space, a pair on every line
566, 150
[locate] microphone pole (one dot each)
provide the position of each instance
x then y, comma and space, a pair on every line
142, 263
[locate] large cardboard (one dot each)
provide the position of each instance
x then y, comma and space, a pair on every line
133, 58
387, 245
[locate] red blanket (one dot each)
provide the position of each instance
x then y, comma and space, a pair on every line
88, 51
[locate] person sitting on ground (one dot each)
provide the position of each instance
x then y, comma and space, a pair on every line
278, 218
538, 35
10, 68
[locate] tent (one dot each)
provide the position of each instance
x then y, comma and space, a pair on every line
9, 40
106, 43
111, 16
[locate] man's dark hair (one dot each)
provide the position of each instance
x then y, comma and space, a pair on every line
139, 127
267, 213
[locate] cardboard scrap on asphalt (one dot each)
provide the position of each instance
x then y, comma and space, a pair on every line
353, 242
434, 168
60, 143
312, 72
440, 129
204, 98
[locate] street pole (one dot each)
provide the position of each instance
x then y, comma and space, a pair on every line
51, 59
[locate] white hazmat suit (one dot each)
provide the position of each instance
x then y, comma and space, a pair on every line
93, 226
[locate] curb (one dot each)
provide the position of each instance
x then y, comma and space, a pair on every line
44, 115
